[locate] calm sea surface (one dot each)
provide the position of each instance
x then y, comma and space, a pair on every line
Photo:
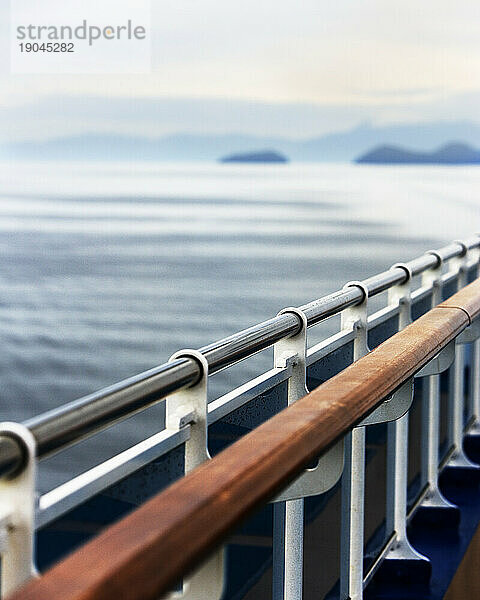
107, 269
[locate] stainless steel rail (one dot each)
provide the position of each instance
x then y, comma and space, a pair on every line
68, 424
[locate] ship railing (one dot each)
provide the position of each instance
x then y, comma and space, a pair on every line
176, 536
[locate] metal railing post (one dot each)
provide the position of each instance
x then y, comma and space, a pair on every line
288, 516
475, 367
456, 399
190, 407
475, 388
17, 515
397, 458
353, 478
433, 498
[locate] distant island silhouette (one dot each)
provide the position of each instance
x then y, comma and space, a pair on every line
454, 153
264, 156
339, 146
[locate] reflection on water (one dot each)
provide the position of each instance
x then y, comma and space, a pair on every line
107, 270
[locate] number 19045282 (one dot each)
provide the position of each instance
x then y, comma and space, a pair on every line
47, 47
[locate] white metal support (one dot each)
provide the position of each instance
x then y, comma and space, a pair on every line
288, 516
475, 387
291, 352
189, 407
17, 510
474, 400
439, 363
456, 400
397, 448
431, 402
318, 479
475, 380
353, 479
475, 371
393, 407
470, 334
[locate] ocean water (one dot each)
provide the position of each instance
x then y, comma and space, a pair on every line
107, 269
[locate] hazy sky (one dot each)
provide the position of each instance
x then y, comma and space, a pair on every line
219, 65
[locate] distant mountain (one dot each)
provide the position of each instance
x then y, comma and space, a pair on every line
178, 147
264, 156
455, 153
341, 146
346, 145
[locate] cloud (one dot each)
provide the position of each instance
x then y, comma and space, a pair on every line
266, 67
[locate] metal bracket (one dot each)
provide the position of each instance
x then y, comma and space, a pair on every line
206, 583
17, 513
355, 317
319, 479
401, 294
396, 405
469, 334
444, 359
439, 363
393, 407
189, 407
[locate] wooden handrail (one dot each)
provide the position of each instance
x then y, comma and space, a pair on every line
143, 555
